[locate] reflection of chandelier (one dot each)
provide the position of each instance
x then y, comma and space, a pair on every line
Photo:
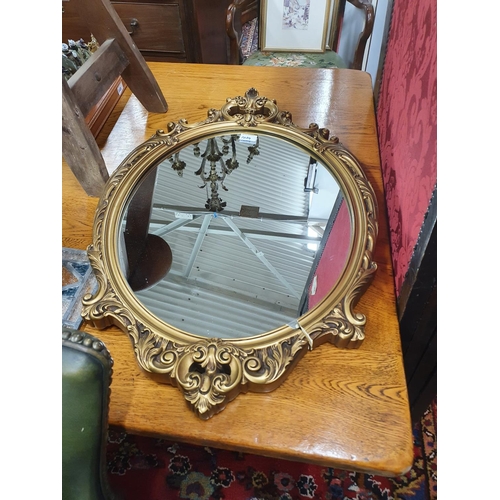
216, 173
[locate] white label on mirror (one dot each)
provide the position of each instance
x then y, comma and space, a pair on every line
314, 285
248, 139
180, 215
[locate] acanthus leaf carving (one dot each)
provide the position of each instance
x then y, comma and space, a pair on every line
211, 372
345, 328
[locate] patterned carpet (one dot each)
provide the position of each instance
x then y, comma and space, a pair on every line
142, 468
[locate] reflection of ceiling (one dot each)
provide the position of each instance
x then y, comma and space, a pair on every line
249, 274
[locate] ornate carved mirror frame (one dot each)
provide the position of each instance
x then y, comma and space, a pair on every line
210, 372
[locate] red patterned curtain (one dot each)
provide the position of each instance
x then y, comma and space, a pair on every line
407, 116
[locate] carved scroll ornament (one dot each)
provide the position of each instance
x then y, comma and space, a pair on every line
210, 372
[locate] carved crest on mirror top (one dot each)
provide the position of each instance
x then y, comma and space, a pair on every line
210, 372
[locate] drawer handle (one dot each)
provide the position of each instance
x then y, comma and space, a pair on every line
133, 23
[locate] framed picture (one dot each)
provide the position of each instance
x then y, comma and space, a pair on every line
294, 25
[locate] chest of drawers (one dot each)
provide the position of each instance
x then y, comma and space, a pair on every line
164, 30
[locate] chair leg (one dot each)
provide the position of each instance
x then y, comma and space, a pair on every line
79, 147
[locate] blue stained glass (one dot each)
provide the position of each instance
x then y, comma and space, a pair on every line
81, 268
76, 263
69, 293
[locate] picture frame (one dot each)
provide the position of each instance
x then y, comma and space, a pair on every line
294, 25
335, 18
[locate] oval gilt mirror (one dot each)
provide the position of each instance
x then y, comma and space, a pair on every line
228, 248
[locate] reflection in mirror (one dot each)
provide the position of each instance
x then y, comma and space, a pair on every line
235, 236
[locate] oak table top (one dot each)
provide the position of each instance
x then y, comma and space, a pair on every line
338, 408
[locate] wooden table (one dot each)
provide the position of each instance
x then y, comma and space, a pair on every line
338, 408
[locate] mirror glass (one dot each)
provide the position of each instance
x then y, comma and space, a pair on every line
234, 236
